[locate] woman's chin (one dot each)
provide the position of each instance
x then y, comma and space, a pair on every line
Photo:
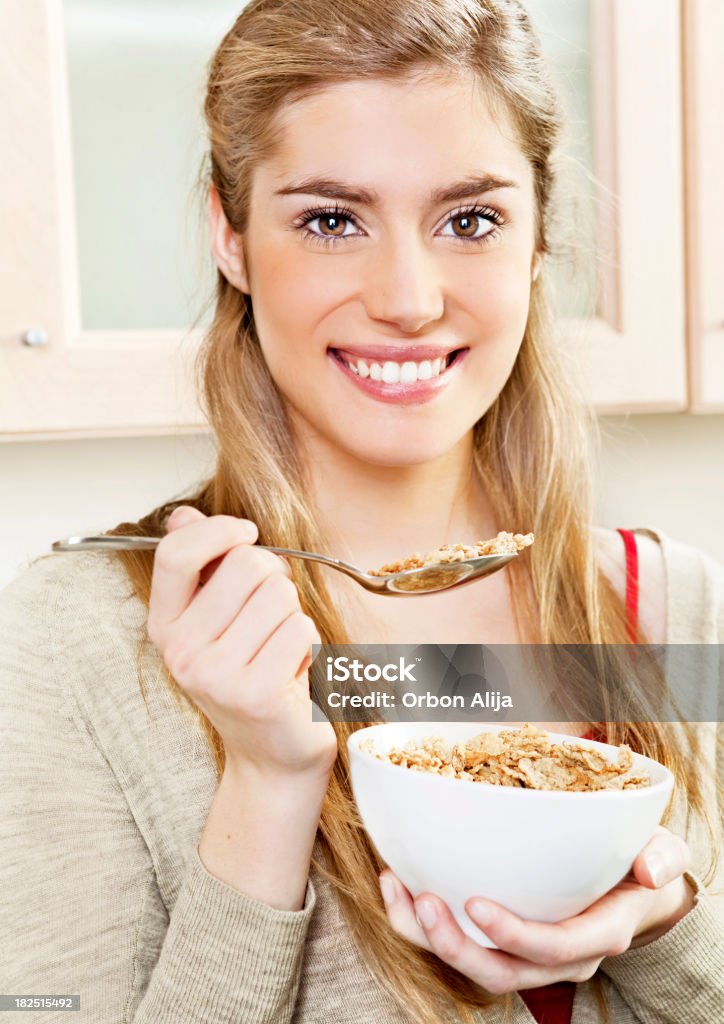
401, 454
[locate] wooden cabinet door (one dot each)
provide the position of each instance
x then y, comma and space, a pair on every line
631, 354
100, 104
704, 108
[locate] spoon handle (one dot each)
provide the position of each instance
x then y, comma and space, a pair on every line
103, 542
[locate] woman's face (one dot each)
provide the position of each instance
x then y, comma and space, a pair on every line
393, 227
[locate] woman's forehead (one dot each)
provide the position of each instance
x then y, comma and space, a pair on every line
386, 134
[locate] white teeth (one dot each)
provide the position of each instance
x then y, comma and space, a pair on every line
391, 373
424, 370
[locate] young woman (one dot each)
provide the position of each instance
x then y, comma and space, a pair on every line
382, 375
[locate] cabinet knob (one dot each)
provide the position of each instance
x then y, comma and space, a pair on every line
35, 336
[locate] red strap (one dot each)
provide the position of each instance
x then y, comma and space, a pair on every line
632, 584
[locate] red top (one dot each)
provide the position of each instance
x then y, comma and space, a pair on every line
553, 1004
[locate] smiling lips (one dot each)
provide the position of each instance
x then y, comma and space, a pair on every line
396, 367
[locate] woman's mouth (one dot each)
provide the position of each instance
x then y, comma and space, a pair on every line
403, 381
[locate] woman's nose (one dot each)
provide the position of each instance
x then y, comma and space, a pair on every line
404, 285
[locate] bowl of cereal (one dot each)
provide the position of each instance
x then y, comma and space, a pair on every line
542, 823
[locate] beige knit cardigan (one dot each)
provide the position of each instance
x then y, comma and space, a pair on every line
102, 804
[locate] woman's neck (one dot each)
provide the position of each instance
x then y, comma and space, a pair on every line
371, 514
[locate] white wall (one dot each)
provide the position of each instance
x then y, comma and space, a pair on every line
55, 489
664, 471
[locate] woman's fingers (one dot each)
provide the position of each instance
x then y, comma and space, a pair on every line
401, 910
185, 551
282, 655
242, 577
427, 922
498, 970
230, 622
665, 857
605, 929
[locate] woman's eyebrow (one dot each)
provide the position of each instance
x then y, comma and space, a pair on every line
331, 189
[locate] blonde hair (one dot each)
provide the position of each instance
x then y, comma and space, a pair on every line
531, 447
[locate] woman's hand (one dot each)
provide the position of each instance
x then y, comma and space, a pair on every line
226, 618
644, 905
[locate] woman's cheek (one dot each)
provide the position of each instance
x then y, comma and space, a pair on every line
500, 313
502, 293
289, 297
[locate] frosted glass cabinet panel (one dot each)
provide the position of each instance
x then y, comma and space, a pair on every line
104, 259
564, 29
135, 74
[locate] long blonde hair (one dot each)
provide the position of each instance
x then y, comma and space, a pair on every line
531, 447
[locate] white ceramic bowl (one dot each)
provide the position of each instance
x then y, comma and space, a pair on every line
545, 855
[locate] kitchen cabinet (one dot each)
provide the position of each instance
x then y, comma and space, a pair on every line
104, 271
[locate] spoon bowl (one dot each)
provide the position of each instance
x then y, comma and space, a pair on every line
429, 579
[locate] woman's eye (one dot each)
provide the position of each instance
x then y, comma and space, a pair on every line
330, 225
472, 225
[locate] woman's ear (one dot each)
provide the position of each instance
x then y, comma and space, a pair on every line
536, 265
226, 245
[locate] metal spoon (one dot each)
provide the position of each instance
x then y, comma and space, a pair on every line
428, 580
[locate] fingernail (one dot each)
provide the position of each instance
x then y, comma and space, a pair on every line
656, 868
481, 912
180, 516
426, 913
388, 888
